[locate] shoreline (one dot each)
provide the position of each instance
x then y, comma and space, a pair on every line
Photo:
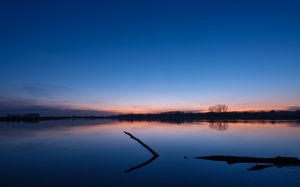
173, 117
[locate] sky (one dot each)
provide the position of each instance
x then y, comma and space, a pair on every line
149, 56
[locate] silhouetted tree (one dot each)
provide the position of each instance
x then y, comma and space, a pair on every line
218, 108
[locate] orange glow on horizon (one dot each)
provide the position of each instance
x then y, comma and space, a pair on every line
125, 110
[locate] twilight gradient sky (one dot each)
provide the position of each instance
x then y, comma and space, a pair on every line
150, 56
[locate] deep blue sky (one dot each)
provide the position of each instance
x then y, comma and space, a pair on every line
136, 56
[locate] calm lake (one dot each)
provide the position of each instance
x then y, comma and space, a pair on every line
97, 153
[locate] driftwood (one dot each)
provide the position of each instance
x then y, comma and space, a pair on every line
142, 143
277, 161
155, 155
243, 159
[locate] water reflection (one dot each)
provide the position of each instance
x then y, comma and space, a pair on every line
95, 153
141, 165
219, 125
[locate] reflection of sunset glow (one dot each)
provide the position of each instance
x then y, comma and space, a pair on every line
103, 147
159, 127
266, 130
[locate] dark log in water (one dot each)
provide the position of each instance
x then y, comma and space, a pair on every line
286, 161
142, 143
155, 155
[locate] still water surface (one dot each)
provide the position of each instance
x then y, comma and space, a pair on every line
96, 153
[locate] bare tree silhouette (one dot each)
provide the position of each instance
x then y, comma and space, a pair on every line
218, 108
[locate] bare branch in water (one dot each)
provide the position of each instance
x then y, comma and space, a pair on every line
142, 143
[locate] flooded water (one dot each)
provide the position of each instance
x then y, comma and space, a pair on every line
99, 153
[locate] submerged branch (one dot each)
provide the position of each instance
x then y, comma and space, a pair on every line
243, 159
276, 161
142, 143
155, 155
